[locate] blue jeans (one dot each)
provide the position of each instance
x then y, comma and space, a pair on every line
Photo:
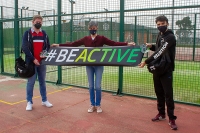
95, 83
40, 71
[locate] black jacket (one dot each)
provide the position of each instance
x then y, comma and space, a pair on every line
165, 43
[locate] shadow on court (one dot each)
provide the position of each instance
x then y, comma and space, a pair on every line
126, 114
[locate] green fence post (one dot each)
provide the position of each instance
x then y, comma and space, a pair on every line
135, 30
1, 42
142, 36
172, 16
59, 81
111, 36
147, 54
22, 32
121, 39
16, 32
147, 32
194, 40
54, 26
71, 22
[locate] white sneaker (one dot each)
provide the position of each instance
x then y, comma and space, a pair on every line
91, 109
29, 106
47, 104
99, 109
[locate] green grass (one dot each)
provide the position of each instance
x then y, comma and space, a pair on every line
9, 63
186, 81
137, 81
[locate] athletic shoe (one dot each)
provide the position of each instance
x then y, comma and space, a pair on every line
99, 110
158, 117
29, 106
47, 104
173, 125
91, 109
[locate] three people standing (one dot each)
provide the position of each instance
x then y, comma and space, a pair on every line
36, 40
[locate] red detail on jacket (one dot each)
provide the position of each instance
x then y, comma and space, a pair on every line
37, 44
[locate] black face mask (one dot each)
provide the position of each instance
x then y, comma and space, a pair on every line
162, 28
93, 32
37, 25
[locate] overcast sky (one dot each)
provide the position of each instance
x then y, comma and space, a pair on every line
97, 5
82, 6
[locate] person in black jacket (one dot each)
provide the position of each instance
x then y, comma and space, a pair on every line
35, 41
166, 43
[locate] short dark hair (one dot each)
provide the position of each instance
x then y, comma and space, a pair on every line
161, 18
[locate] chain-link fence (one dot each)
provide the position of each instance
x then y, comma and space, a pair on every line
119, 20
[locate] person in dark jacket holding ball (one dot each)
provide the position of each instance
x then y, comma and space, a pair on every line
163, 84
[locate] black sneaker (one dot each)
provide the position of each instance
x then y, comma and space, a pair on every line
158, 117
173, 125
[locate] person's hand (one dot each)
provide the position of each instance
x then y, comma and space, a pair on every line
142, 64
55, 45
131, 44
36, 62
42, 57
148, 45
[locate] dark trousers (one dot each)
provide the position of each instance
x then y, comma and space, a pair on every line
163, 86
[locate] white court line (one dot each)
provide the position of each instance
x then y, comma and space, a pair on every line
9, 78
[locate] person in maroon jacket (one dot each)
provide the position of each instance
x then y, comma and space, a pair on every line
94, 40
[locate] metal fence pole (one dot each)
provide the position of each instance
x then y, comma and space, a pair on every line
71, 24
194, 38
1, 43
21, 23
121, 39
16, 31
135, 30
111, 36
54, 26
59, 81
173, 15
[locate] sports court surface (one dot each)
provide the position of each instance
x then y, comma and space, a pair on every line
126, 114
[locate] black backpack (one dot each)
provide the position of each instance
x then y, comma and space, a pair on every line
24, 70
